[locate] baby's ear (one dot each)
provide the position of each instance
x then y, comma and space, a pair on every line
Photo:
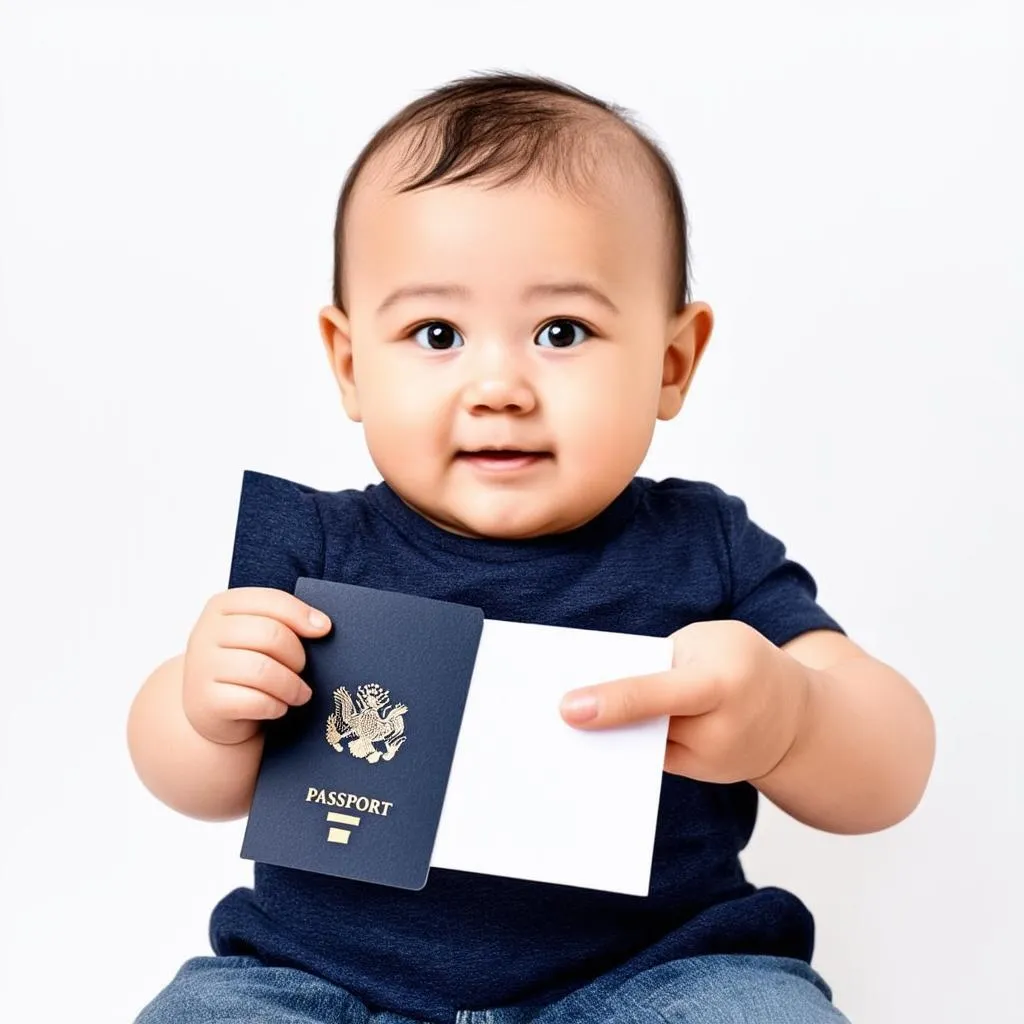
334, 329
686, 340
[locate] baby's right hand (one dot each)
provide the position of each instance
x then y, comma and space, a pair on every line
243, 660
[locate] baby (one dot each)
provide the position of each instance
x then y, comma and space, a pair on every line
511, 316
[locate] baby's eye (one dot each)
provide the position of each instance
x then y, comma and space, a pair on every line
438, 335
562, 334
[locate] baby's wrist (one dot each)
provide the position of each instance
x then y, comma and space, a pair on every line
802, 686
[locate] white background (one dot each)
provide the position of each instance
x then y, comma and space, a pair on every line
167, 187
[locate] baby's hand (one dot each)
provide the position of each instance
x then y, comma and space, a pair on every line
242, 661
735, 701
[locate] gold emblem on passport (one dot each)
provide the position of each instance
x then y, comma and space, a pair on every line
366, 723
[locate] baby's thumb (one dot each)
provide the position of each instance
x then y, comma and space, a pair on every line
314, 622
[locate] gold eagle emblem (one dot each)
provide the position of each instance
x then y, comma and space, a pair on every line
366, 723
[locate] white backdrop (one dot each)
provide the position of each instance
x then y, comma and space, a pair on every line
168, 175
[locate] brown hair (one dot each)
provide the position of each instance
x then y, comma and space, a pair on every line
512, 126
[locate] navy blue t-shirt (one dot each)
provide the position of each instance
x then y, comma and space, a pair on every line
661, 555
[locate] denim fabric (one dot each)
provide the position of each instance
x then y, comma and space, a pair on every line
701, 990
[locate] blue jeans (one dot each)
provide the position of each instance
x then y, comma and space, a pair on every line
702, 990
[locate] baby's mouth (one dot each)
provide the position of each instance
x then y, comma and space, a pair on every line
502, 459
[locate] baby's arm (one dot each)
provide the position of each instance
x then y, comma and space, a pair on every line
864, 750
188, 772
836, 738
195, 727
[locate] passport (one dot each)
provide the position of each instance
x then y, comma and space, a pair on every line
352, 783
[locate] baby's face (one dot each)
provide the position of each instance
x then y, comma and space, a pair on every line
508, 351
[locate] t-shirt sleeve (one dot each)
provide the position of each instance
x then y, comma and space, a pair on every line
769, 591
278, 536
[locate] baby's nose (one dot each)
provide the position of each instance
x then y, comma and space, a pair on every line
500, 393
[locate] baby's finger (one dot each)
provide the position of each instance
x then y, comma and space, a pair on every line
302, 618
262, 634
261, 672
230, 702
681, 760
639, 698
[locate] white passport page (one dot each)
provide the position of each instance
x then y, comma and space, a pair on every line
531, 797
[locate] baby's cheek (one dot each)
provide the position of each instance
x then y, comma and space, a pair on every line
620, 435
395, 404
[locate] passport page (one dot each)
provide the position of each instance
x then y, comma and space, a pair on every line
531, 797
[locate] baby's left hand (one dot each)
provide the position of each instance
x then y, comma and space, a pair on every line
735, 701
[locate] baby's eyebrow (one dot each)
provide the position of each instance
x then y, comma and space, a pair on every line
571, 288
413, 291
456, 291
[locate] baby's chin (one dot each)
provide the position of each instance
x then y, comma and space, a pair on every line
507, 517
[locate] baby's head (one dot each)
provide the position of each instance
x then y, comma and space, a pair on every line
511, 304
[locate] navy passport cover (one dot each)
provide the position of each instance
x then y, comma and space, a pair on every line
352, 782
